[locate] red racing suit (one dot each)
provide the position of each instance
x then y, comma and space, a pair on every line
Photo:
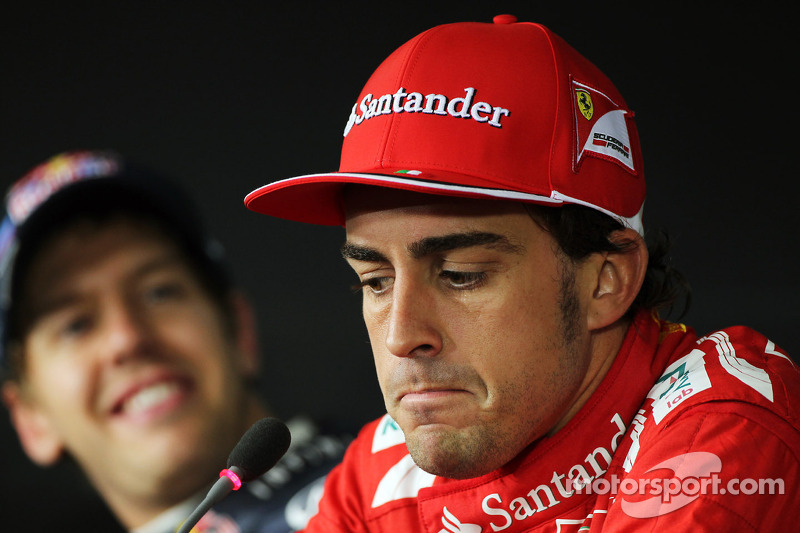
683, 434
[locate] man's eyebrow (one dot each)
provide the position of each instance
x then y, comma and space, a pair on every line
455, 241
438, 244
361, 253
61, 300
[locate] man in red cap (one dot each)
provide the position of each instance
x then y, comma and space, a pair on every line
491, 188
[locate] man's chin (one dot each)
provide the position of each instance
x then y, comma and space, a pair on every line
450, 452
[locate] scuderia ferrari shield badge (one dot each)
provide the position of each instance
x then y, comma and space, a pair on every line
585, 106
600, 127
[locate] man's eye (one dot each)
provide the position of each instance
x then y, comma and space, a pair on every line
377, 285
76, 326
463, 280
163, 292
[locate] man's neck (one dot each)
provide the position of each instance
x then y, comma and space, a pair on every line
604, 345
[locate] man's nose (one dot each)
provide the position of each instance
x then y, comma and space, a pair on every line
413, 325
127, 331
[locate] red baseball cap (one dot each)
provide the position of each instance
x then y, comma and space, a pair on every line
506, 110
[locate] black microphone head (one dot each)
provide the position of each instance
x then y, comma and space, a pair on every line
260, 448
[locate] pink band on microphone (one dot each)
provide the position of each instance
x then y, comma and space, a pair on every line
233, 477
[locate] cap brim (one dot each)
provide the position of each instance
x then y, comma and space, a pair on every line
316, 198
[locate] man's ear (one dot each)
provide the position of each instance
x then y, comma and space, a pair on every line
246, 334
618, 279
39, 439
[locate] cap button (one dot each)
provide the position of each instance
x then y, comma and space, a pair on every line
504, 19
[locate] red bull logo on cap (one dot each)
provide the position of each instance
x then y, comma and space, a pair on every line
46, 179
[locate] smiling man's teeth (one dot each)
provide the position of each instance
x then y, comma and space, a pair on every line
149, 396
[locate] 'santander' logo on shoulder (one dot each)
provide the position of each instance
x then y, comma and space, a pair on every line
430, 104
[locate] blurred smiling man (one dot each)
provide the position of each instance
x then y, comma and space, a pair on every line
128, 348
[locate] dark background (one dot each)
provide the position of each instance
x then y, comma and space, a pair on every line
228, 96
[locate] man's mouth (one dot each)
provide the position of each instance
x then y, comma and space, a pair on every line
431, 395
152, 397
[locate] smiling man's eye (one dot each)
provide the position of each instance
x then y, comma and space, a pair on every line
163, 291
75, 326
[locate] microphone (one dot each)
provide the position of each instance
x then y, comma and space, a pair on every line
256, 452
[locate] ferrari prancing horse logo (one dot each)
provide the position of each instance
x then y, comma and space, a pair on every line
585, 104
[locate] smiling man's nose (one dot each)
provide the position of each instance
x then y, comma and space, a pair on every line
127, 332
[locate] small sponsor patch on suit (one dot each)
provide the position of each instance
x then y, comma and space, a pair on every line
681, 380
387, 434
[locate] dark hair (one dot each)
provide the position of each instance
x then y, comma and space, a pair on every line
581, 231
